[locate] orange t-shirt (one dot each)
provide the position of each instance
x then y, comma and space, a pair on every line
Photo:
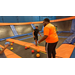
50, 31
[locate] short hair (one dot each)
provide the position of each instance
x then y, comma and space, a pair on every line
46, 20
36, 26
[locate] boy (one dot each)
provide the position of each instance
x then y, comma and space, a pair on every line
35, 34
51, 38
2, 55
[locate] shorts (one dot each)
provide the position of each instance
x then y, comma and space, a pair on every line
36, 38
50, 49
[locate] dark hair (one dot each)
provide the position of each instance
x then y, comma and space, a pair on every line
36, 26
47, 20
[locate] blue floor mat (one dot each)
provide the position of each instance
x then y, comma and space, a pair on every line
73, 54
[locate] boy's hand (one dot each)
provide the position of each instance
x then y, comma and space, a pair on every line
34, 36
40, 35
39, 42
7, 45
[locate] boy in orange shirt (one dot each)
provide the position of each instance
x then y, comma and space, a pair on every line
51, 38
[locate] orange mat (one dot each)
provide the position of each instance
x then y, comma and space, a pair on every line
64, 51
10, 54
41, 48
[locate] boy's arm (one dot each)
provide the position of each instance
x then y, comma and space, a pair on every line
40, 34
43, 38
46, 33
3, 49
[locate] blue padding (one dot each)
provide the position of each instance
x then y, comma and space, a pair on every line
13, 29
15, 36
64, 32
73, 54
33, 26
59, 32
28, 37
65, 42
73, 26
63, 36
73, 41
69, 39
25, 38
42, 29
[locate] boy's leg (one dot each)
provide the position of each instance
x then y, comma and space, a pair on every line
50, 47
53, 51
36, 38
36, 42
48, 50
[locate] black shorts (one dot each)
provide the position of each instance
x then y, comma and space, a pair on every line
36, 38
50, 49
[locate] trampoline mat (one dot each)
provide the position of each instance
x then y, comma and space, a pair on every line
21, 37
20, 50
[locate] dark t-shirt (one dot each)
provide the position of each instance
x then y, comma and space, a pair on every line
36, 31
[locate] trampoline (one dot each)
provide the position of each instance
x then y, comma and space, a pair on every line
22, 40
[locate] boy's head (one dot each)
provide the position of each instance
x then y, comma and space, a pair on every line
36, 27
46, 21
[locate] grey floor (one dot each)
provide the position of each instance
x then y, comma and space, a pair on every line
20, 50
21, 37
65, 34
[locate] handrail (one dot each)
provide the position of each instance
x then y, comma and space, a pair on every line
28, 23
